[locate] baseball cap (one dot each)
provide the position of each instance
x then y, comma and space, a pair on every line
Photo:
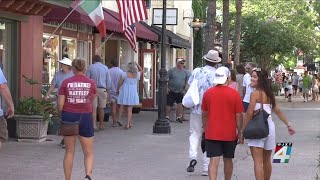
221, 75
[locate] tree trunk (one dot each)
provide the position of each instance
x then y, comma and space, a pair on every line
225, 31
238, 32
210, 30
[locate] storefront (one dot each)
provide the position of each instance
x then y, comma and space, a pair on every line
9, 52
73, 39
20, 44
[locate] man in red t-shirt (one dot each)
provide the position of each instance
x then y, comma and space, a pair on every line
222, 110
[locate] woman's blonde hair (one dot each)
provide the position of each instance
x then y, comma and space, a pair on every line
132, 68
79, 64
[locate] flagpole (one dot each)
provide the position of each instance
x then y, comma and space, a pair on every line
47, 40
104, 42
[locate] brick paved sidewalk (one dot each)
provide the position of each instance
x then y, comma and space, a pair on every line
136, 154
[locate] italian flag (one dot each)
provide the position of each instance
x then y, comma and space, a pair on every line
94, 10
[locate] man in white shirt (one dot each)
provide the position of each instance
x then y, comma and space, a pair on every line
205, 77
247, 89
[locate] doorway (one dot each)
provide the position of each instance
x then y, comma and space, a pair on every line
147, 85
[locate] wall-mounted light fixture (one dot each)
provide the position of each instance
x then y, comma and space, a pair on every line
197, 24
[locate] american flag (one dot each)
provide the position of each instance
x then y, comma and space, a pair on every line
131, 11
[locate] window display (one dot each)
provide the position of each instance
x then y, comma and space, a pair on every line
50, 58
68, 48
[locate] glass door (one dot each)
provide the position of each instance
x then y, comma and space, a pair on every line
148, 78
9, 49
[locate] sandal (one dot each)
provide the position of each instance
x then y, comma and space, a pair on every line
87, 177
119, 123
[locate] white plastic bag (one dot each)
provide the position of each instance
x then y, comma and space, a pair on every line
191, 98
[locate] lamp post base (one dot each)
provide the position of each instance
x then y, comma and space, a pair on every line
162, 127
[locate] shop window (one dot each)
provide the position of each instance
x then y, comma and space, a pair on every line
55, 24
83, 27
68, 46
9, 53
83, 51
50, 58
70, 26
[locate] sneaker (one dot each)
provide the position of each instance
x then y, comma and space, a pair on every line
179, 120
167, 117
204, 173
191, 166
87, 178
61, 143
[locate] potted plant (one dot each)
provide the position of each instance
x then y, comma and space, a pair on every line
32, 117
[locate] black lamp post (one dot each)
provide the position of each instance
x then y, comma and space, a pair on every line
162, 125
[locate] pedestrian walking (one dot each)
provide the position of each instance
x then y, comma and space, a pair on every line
58, 78
306, 86
315, 88
100, 74
205, 79
115, 74
247, 89
261, 149
241, 72
222, 124
285, 87
75, 99
295, 83
6, 95
177, 84
128, 90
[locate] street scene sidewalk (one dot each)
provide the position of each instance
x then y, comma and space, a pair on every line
137, 154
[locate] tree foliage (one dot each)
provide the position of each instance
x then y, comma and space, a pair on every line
276, 28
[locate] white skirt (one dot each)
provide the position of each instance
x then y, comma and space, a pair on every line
268, 143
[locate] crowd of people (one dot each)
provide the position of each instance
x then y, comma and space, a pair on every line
228, 102
295, 85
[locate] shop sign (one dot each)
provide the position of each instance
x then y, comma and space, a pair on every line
172, 16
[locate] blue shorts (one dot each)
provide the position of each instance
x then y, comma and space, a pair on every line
245, 105
85, 122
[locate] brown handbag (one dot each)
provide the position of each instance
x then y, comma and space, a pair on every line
70, 128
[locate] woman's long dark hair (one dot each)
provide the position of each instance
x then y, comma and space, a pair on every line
264, 83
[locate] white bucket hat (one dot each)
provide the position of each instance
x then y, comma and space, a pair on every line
221, 75
212, 56
66, 61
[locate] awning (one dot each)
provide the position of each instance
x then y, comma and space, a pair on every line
111, 19
143, 33
173, 39
26, 7
59, 13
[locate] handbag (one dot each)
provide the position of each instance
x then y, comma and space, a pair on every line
70, 128
191, 98
258, 126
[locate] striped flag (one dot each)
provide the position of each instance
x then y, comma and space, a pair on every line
93, 8
131, 11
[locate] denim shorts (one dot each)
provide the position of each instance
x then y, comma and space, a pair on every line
245, 105
85, 122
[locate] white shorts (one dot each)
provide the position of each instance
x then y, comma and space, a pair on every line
268, 143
